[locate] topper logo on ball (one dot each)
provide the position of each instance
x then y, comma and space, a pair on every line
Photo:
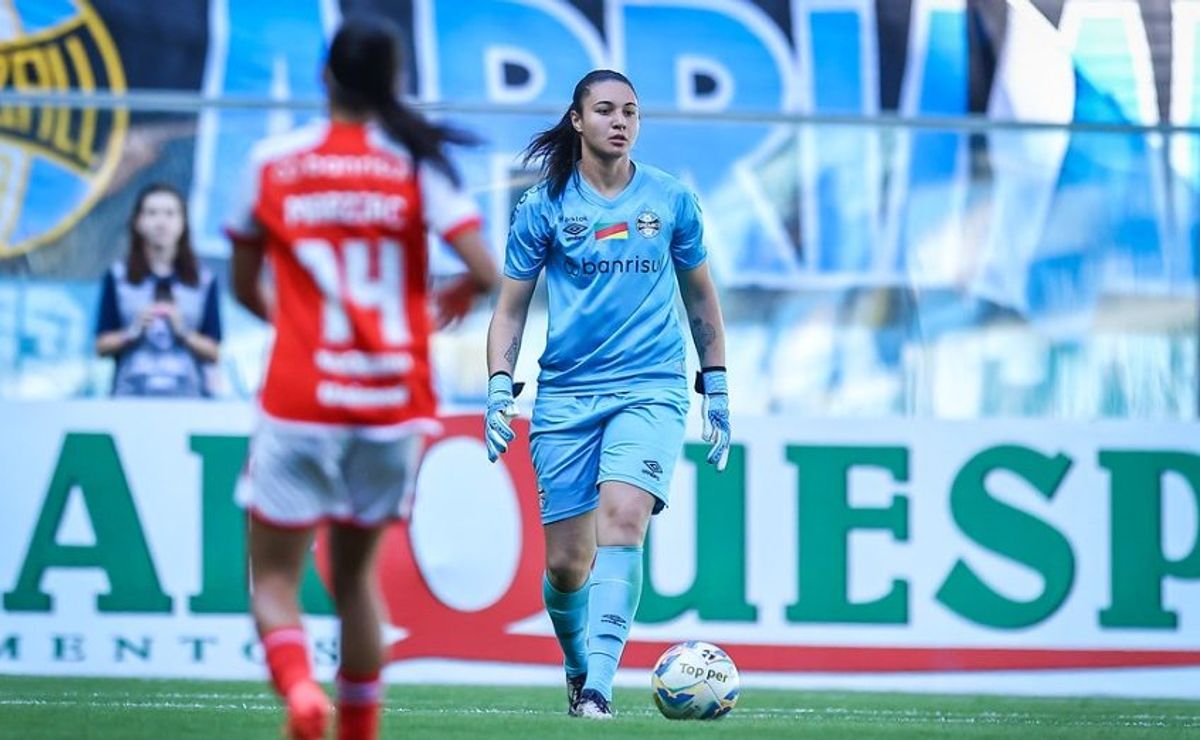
53, 153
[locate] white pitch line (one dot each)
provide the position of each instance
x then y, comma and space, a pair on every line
903, 716
138, 705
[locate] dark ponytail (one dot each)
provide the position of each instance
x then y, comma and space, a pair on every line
558, 148
364, 63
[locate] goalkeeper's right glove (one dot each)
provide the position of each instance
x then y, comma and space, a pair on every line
501, 407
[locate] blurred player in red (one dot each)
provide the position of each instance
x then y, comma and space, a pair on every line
341, 210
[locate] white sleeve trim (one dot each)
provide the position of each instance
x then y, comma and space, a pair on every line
445, 206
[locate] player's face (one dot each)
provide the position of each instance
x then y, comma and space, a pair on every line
609, 122
160, 221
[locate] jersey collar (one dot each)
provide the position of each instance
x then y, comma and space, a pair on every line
592, 196
348, 131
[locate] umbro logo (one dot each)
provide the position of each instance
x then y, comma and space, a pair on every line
576, 229
653, 469
615, 620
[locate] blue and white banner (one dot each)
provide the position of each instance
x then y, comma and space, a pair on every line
1040, 221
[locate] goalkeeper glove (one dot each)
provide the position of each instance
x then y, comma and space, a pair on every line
501, 408
711, 382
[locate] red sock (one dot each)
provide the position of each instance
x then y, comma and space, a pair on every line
287, 657
358, 706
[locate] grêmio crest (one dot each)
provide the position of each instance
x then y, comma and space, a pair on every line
55, 161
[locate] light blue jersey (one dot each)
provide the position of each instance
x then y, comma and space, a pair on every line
610, 274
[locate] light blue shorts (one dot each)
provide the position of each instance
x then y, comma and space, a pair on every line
579, 442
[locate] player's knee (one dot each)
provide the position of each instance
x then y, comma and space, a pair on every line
568, 569
631, 534
623, 527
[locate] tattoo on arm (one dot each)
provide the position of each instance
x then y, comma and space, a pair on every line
704, 334
510, 354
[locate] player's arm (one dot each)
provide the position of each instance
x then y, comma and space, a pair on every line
452, 213
503, 346
454, 299
524, 258
529, 238
708, 332
508, 325
481, 268
246, 276
245, 230
699, 295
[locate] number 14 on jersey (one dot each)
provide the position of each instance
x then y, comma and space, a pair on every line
343, 274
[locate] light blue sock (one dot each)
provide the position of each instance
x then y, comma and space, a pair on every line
568, 614
616, 589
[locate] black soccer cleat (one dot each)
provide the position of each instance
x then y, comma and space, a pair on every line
574, 689
593, 705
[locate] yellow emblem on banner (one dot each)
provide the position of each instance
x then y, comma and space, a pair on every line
55, 161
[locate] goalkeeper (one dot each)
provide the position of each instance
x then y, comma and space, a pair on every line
617, 239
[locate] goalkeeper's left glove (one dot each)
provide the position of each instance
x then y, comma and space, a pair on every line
714, 411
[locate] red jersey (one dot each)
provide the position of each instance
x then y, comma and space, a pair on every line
343, 214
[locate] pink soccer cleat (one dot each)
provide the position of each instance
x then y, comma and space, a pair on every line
308, 711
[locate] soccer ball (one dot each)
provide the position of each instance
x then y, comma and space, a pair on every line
695, 680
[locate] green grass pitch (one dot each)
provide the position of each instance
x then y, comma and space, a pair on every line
135, 709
